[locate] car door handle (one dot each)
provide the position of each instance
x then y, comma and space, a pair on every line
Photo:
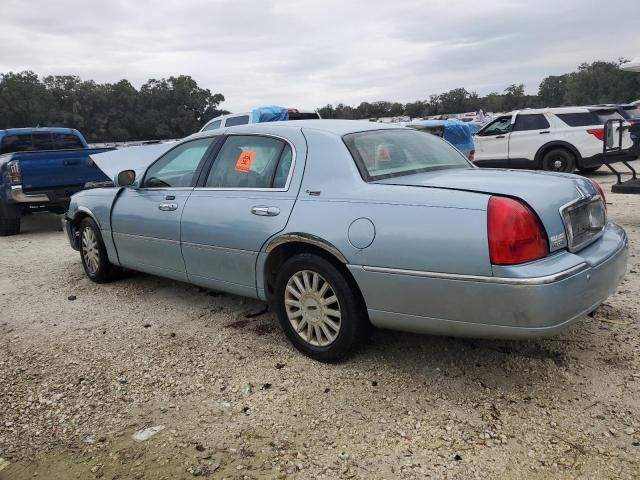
266, 211
500, 136
71, 162
168, 207
546, 131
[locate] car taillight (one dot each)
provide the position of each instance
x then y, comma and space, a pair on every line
600, 192
597, 132
13, 169
472, 155
515, 233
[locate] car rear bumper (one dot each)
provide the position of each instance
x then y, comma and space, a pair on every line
612, 157
564, 289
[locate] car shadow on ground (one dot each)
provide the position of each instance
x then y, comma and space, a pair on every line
40, 222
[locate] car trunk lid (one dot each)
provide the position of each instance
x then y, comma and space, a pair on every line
547, 193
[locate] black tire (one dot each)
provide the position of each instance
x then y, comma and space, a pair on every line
559, 160
353, 321
8, 226
97, 266
588, 169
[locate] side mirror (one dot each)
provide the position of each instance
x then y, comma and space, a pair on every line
126, 178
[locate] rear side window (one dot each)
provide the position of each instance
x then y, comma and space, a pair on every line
605, 115
212, 126
581, 119
530, 122
16, 143
42, 141
251, 161
66, 141
240, 120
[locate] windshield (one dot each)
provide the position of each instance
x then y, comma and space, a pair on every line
391, 153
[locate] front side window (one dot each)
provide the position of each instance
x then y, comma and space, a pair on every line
239, 120
178, 167
498, 127
251, 161
66, 141
16, 143
390, 153
530, 122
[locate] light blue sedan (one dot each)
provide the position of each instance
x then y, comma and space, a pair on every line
341, 225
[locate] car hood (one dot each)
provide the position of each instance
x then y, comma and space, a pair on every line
136, 158
545, 192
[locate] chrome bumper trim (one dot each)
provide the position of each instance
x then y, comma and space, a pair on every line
17, 195
556, 277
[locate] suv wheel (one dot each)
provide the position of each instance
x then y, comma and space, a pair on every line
319, 310
559, 160
94, 254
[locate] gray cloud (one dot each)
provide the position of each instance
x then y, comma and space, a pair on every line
311, 53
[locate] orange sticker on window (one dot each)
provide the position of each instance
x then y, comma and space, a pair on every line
245, 160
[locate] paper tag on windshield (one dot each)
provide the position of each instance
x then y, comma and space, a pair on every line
245, 160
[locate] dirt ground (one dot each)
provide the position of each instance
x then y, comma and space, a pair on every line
85, 366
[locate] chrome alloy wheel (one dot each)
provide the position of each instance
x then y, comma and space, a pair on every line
90, 251
312, 308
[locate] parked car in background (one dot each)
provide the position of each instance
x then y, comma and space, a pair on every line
270, 113
340, 224
456, 132
630, 113
552, 139
40, 168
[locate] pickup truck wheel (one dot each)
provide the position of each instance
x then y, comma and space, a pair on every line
559, 160
318, 309
8, 226
94, 254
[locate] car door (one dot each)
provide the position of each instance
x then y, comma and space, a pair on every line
529, 133
146, 220
492, 143
244, 198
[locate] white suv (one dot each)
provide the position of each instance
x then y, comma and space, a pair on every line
555, 139
233, 119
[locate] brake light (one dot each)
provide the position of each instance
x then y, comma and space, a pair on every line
514, 231
600, 192
13, 169
597, 132
472, 155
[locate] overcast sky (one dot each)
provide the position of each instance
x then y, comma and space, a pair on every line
308, 53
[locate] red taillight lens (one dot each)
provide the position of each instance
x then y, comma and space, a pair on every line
597, 132
13, 170
472, 155
515, 233
600, 191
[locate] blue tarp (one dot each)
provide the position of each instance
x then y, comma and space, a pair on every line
457, 133
270, 113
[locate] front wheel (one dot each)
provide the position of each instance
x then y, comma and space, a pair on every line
559, 160
319, 310
94, 254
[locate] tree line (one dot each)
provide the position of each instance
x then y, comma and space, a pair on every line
592, 83
176, 106
167, 108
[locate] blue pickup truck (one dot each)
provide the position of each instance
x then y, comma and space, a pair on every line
40, 168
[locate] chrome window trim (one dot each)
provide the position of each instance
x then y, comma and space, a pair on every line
572, 205
294, 157
556, 277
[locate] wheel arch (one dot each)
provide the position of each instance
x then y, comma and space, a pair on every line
80, 214
555, 144
283, 247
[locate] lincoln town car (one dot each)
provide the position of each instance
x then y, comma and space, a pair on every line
344, 225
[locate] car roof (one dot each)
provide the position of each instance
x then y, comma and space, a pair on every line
336, 127
26, 130
554, 110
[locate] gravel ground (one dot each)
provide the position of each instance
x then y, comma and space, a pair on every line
84, 366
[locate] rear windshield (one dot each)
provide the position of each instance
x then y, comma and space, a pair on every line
582, 119
383, 154
605, 115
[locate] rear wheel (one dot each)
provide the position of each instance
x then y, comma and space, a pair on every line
8, 226
319, 310
94, 254
559, 160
